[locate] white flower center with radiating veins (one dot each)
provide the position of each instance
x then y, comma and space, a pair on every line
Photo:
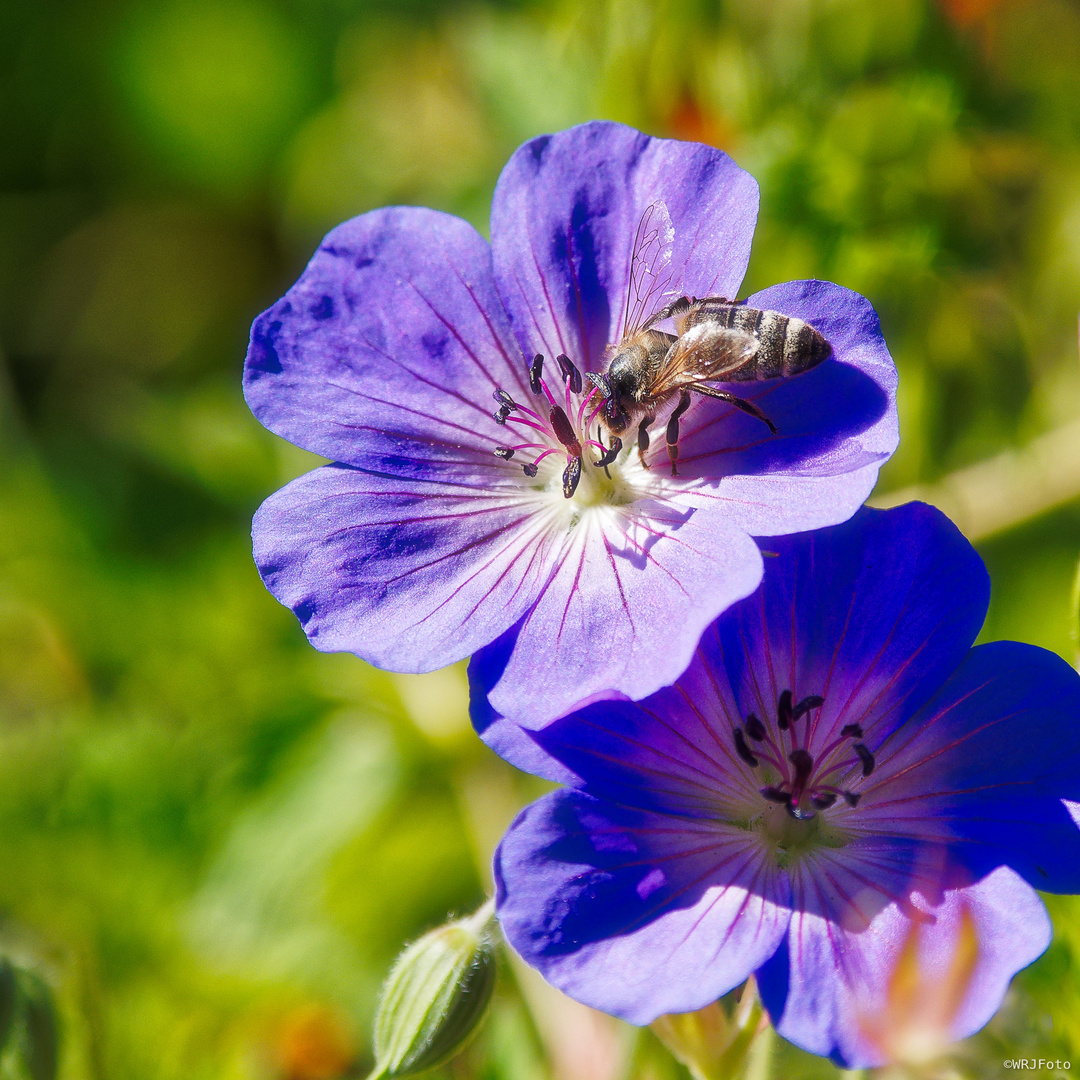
565, 461
807, 786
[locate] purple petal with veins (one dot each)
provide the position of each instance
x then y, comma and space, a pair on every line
480, 504
838, 758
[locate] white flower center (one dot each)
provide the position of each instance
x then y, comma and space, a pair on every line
798, 788
567, 458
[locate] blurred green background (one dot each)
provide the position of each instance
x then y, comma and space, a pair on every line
213, 840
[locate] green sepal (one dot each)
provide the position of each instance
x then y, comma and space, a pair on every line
8, 1000
40, 1031
434, 998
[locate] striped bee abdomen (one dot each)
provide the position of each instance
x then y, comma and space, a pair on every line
789, 345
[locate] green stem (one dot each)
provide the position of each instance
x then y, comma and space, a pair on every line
734, 1057
1074, 630
478, 921
723, 1053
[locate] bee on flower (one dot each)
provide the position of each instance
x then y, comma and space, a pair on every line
482, 500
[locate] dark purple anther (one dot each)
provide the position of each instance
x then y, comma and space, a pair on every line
755, 728
852, 798
569, 372
536, 372
570, 477
851, 731
529, 468
610, 454
824, 800
783, 711
505, 400
743, 750
804, 765
866, 758
505, 452
776, 795
814, 701
501, 415
563, 429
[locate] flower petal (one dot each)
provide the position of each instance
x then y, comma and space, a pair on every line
563, 221
410, 576
873, 616
385, 354
622, 613
986, 764
634, 914
671, 753
828, 985
837, 422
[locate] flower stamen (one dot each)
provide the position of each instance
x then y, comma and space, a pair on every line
583, 405
596, 411
801, 788
570, 373
528, 423
570, 477
556, 424
783, 711
536, 372
564, 430
865, 757
743, 750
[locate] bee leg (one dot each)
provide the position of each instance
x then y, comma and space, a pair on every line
673, 429
610, 454
643, 438
747, 407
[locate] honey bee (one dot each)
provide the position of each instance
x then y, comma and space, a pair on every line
715, 340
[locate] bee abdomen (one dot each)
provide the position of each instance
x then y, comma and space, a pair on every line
788, 345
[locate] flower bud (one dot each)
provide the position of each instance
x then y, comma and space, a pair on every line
435, 997
40, 1034
8, 1000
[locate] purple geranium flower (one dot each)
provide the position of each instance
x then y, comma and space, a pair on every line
833, 765
428, 540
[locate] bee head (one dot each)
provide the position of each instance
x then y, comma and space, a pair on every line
616, 417
628, 379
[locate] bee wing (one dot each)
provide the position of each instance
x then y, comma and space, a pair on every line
649, 260
705, 353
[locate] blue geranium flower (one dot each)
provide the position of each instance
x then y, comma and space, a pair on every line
452, 521
835, 766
